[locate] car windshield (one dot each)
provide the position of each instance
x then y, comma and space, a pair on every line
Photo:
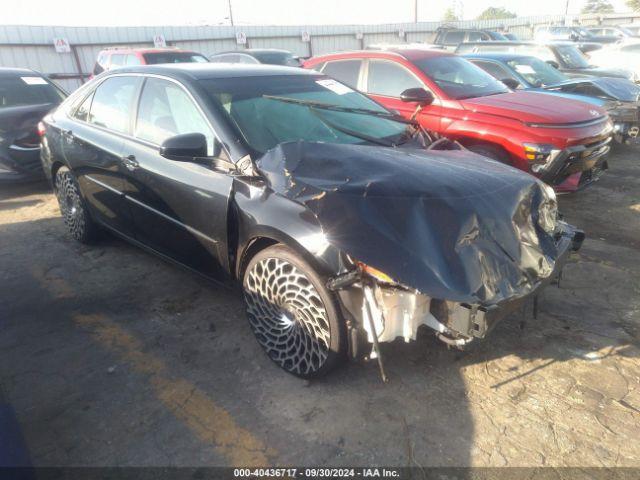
27, 90
277, 58
572, 57
583, 32
626, 31
173, 57
536, 72
266, 122
459, 78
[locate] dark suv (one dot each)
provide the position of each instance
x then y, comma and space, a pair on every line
450, 38
345, 224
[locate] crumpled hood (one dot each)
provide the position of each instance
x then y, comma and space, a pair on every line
614, 88
453, 225
529, 107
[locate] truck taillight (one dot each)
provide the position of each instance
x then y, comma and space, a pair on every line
41, 129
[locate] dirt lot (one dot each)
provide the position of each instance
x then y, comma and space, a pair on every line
109, 356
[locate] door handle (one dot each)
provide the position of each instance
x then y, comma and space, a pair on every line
67, 135
130, 162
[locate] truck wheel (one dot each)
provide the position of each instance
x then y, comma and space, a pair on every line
73, 208
292, 314
489, 151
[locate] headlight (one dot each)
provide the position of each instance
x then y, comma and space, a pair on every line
375, 273
548, 211
539, 155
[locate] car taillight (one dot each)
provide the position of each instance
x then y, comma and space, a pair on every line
41, 129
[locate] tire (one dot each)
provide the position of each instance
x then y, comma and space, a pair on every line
492, 152
73, 207
292, 314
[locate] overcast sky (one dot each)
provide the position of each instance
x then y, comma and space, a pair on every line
260, 12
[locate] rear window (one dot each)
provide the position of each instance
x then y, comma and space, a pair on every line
173, 57
454, 38
27, 90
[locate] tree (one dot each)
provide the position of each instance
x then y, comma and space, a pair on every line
450, 15
633, 5
598, 6
496, 13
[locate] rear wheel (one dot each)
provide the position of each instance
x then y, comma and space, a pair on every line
491, 151
73, 207
292, 314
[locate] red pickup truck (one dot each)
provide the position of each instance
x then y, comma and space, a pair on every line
559, 140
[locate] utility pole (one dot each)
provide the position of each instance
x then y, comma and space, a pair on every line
230, 13
415, 11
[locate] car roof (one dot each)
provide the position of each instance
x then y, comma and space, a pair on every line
522, 42
249, 51
201, 71
410, 54
12, 72
499, 56
125, 50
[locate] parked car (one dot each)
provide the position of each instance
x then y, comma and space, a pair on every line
560, 140
575, 34
622, 33
618, 96
450, 38
627, 54
269, 56
562, 55
25, 97
340, 218
111, 58
634, 29
511, 36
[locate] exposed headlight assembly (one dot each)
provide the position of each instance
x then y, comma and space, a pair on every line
548, 210
539, 155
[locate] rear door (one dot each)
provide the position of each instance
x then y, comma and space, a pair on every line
92, 143
179, 208
385, 80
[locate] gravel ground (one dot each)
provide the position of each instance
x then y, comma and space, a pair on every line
109, 356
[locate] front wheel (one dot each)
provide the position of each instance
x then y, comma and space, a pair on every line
73, 207
292, 314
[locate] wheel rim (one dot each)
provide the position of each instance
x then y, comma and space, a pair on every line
287, 315
70, 204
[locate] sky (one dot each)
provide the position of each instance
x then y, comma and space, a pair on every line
260, 12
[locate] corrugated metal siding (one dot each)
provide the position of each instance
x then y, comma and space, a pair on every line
32, 46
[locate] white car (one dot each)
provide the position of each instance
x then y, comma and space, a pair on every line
625, 55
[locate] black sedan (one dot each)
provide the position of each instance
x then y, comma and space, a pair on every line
346, 225
25, 97
565, 56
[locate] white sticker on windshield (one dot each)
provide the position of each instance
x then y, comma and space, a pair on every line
34, 80
334, 86
525, 69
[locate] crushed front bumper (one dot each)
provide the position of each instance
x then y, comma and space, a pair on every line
394, 311
575, 160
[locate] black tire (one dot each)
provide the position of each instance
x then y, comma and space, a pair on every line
491, 151
292, 314
73, 207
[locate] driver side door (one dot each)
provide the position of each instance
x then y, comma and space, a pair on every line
179, 207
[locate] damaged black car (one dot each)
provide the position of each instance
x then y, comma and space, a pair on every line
346, 225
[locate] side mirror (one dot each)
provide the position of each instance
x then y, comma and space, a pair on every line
554, 64
418, 95
184, 147
512, 83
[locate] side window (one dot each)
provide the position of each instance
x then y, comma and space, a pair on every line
389, 79
475, 37
225, 58
246, 59
82, 112
454, 37
347, 71
166, 110
132, 60
112, 103
117, 60
101, 64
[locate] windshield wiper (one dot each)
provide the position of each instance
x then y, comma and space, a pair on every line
348, 131
339, 108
